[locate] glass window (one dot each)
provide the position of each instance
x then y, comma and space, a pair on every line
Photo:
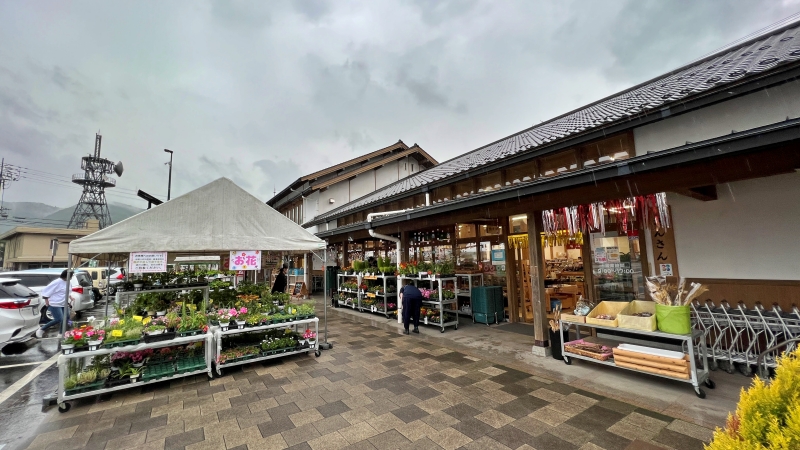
521, 173
491, 230
558, 163
617, 267
518, 224
466, 230
490, 182
615, 148
467, 255
12, 289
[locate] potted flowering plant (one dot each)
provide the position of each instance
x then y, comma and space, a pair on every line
224, 316
311, 337
95, 338
241, 317
72, 339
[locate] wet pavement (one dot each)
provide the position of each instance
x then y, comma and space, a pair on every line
21, 413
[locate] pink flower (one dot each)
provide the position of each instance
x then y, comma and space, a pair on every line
242, 310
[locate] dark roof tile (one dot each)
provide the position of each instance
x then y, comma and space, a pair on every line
727, 66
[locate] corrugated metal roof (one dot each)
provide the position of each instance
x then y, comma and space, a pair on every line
730, 65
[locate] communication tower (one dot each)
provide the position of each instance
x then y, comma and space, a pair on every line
95, 180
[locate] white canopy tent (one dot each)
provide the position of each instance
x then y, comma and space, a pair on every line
213, 219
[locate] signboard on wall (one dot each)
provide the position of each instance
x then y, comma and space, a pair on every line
147, 262
665, 258
498, 256
600, 255
245, 260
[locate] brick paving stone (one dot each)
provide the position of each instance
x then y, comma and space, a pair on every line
678, 440
179, 441
375, 390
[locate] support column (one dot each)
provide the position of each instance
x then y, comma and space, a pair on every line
541, 344
402, 251
511, 282
345, 252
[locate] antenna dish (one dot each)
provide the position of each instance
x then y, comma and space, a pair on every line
118, 168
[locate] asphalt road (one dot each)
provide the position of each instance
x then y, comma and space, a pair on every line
21, 409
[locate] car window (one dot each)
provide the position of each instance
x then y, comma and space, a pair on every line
94, 275
12, 289
29, 280
83, 279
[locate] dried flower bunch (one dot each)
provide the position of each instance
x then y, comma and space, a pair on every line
668, 294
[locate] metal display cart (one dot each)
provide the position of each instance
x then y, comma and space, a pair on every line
385, 296
220, 335
358, 294
687, 343
123, 298
473, 280
440, 303
63, 360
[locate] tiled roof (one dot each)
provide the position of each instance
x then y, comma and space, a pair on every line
727, 66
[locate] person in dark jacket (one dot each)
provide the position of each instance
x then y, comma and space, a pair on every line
412, 302
280, 282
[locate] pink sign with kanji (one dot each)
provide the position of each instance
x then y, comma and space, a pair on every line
245, 260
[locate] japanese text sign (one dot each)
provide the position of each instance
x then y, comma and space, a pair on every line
147, 262
245, 260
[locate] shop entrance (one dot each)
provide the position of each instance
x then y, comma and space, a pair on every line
618, 266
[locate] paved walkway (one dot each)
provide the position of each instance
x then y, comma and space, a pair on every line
376, 389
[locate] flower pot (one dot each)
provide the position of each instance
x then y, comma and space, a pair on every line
240, 324
224, 326
67, 348
161, 313
151, 313
94, 345
137, 286
312, 342
426, 320
302, 341
137, 365
134, 378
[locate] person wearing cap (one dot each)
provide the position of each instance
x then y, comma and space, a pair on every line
55, 297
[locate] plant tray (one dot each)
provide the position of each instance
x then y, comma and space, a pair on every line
189, 333
121, 343
166, 336
114, 382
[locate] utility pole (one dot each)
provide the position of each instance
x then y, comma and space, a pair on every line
169, 183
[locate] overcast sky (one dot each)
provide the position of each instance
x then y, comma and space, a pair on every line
265, 91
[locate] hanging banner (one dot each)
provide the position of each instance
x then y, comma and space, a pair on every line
245, 260
147, 262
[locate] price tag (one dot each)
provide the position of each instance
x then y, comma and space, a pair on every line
146, 321
116, 333
138, 318
122, 321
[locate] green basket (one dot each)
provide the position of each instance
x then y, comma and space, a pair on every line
674, 319
124, 343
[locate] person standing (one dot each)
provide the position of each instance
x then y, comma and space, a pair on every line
280, 282
411, 299
55, 297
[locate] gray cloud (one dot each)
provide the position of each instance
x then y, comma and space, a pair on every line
263, 92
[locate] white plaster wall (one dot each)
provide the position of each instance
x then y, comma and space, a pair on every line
340, 192
387, 174
362, 185
311, 204
750, 232
761, 108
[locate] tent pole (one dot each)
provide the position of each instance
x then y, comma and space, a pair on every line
65, 316
324, 345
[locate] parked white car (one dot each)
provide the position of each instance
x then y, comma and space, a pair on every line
81, 295
19, 311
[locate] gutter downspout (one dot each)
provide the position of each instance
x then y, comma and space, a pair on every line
383, 236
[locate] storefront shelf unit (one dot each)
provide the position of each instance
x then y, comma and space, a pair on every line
464, 295
342, 278
220, 335
385, 297
63, 360
694, 344
437, 303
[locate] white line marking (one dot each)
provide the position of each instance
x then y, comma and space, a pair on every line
14, 388
19, 365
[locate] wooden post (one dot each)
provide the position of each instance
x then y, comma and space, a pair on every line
541, 344
402, 249
511, 282
345, 252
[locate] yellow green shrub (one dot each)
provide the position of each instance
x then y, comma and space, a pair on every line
768, 415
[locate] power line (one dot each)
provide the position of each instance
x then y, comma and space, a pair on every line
56, 177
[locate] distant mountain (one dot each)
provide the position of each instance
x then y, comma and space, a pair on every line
119, 212
40, 215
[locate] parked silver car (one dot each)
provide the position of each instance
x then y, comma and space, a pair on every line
19, 311
81, 295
